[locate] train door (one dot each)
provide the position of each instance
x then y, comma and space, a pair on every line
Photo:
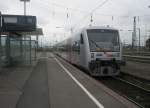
82, 50
69, 50
76, 49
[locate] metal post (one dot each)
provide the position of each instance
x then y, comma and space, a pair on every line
37, 41
0, 35
25, 1
21, 47
35, 56
23, 35
132, 40
24, 7
8, 48
36, 46
30, 51
134, 33
139, 38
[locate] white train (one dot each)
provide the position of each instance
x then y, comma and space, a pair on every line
96, 49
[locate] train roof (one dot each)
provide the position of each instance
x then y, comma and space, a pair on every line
93, 27
99, 27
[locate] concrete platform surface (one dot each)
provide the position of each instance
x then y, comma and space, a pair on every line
35, 93
55, 83
12, 81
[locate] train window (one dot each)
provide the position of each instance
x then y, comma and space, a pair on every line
81, 39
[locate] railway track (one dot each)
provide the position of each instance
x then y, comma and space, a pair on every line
132, 91
143, 83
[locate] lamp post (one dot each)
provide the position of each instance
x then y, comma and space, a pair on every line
21, 44
139, 38
24, 5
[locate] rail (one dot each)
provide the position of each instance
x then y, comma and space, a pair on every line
133, 92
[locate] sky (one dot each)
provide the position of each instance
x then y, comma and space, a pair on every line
57, 17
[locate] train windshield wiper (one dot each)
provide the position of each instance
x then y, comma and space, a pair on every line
95, 44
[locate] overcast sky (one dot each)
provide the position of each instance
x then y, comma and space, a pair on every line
75, 13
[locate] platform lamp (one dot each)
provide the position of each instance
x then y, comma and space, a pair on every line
25, 5
21, 44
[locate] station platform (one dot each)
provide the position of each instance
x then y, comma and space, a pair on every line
54, 83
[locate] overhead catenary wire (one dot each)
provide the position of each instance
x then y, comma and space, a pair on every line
100, 5
84, 11
67, 12
74, 9
71, 11
103, 3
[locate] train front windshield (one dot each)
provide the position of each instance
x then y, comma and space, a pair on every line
103, 40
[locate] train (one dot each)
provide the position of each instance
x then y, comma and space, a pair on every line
95, 49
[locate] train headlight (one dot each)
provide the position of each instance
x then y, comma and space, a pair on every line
92, 55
